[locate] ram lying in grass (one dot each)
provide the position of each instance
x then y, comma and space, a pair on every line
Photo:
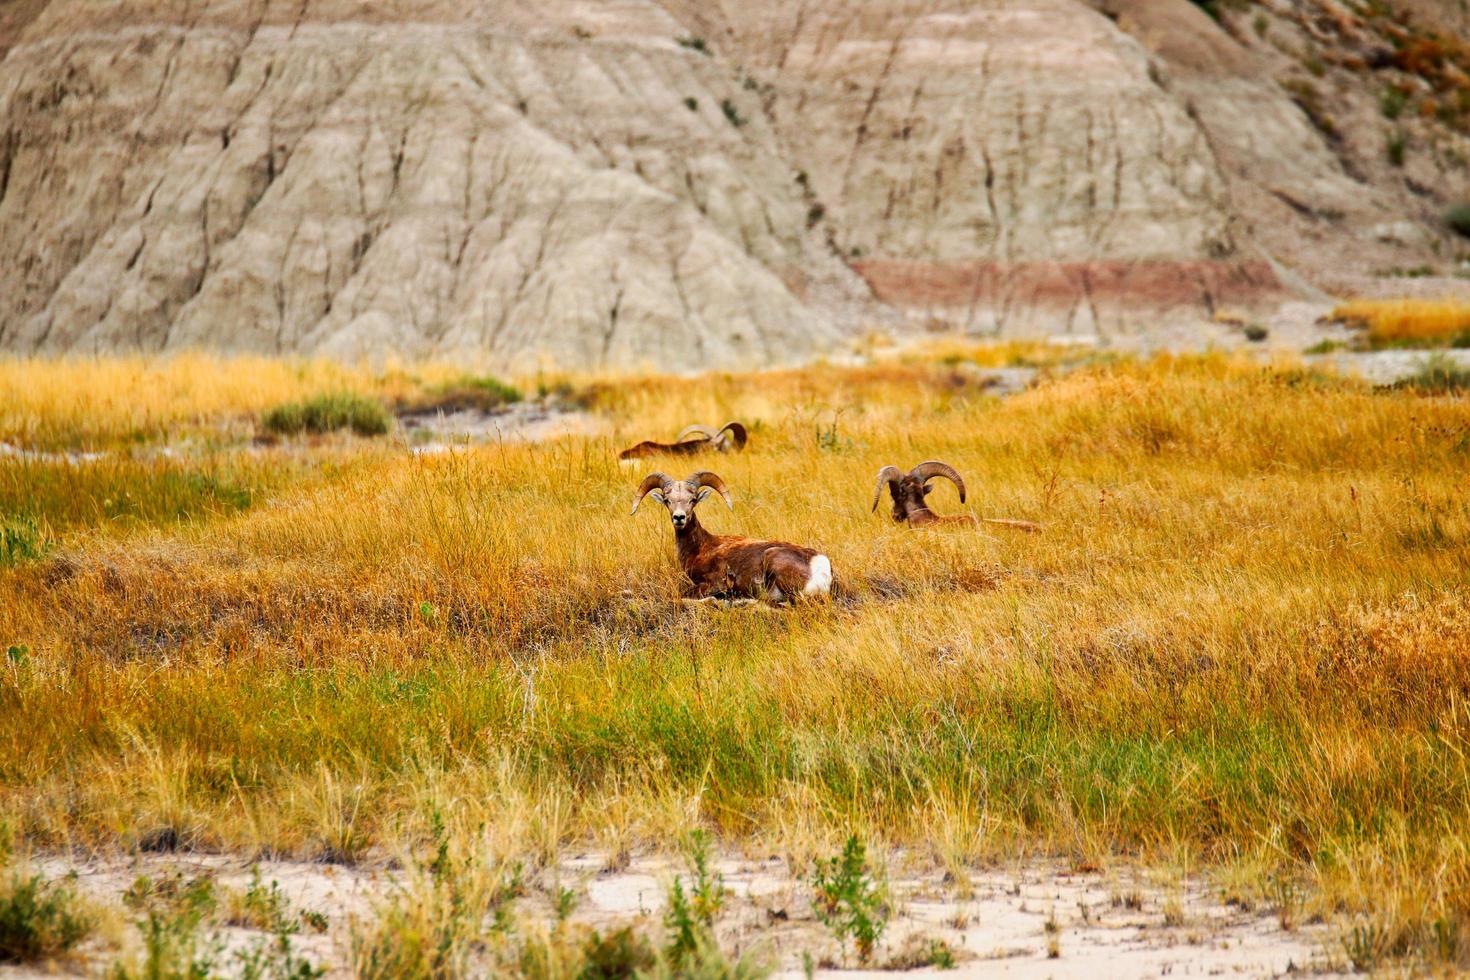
1243, 642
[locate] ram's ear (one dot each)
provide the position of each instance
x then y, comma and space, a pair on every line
703, 492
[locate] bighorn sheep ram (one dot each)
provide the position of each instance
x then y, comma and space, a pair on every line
910, 489
731, 438
724, 566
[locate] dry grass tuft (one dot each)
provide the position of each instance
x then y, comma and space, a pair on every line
1409, 322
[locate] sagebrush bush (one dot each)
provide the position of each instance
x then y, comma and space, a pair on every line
329, 413
39, 919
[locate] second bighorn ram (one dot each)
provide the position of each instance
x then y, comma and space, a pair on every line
731, 438
727, 566
910, 490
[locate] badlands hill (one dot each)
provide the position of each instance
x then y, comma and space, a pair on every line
684, 184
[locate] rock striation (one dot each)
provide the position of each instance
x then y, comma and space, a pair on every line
659, 183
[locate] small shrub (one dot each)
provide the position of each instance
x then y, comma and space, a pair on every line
1325, 347
38, 919
848, 900
1458, 219
694, 44
691, 103
328, 413
1256, 333
1437, 376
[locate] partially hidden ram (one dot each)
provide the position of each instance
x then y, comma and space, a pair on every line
910, 493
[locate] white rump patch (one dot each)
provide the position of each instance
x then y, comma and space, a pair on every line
820, 581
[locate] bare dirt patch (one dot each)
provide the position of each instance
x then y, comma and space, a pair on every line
1035, 919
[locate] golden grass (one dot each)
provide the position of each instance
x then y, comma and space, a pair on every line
80, 402
1408, 322
1244, 634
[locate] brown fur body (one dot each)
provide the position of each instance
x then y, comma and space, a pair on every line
689, 447
724, 566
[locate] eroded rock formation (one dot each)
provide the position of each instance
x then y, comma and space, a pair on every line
645, 182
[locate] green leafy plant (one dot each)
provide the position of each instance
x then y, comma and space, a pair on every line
848, 900
173, 945
39, 919
732, 113
21, 539
690, 917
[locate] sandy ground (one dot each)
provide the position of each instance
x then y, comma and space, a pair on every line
1121, 923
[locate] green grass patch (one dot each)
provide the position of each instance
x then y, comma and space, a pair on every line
469, 393
42, 495
329, 413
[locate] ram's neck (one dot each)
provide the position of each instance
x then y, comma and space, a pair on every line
691, 538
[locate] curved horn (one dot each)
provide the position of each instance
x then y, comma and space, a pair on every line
888, 475
703, 430
737, 433
651, 482
929, 469
704, 478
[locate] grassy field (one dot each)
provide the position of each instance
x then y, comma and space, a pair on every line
1242, 640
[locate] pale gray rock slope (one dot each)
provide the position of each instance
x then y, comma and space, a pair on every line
661, 183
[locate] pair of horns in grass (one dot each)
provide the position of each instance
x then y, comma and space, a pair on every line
890, 476
697, 479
